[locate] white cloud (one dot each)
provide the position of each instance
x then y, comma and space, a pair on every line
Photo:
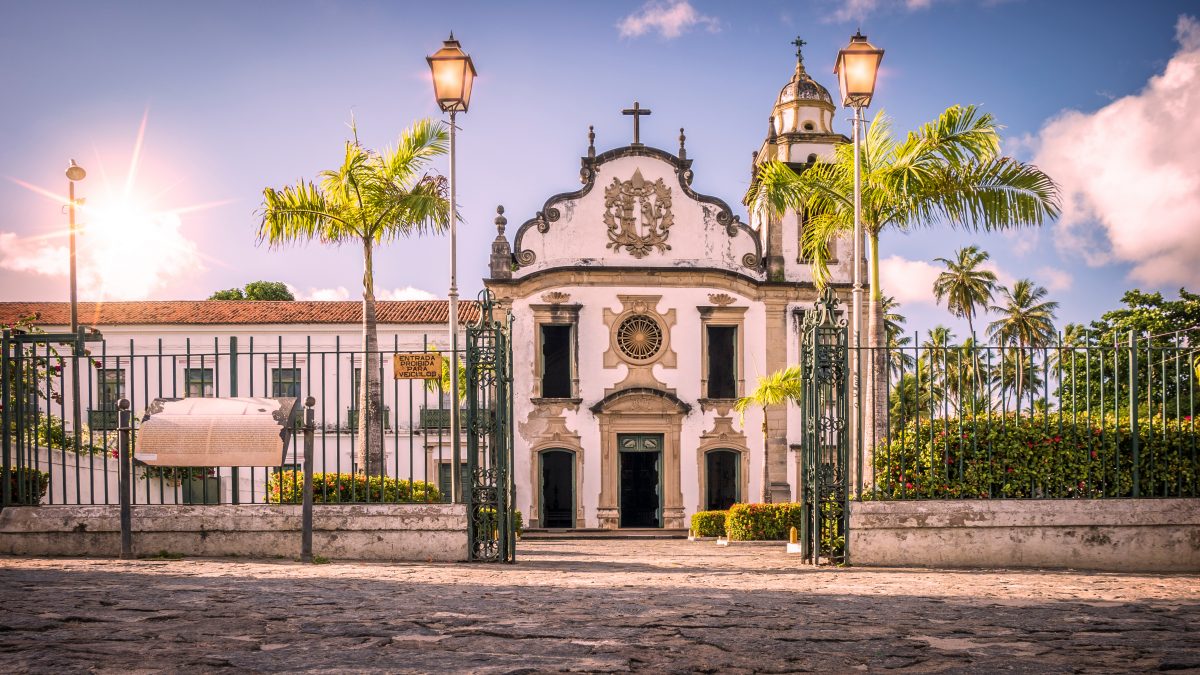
857, 10
1130, 174
343, 293
1053, 278
1003, 277
129, 258
406, 293
669, 19
909, 281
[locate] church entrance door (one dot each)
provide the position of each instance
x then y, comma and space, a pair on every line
722, 474
640, 479
558, 494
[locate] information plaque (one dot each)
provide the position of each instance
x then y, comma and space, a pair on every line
216, 431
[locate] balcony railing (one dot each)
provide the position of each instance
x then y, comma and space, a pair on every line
102, 420
438, 418
352, 417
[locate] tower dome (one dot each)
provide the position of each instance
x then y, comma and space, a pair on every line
804, 106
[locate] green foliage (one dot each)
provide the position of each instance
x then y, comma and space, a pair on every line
489, 520
949, 171
995, 456
709, 523
770, 522
287, 487
28, 485
256, 290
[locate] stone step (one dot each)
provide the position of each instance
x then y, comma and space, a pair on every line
597, 533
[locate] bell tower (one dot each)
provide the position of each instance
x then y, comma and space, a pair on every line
799, 132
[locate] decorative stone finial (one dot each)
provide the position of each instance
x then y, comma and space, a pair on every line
771, 137
502, 257
591, 141
500, 221
682, 150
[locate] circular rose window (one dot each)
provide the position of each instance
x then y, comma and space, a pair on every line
639, 337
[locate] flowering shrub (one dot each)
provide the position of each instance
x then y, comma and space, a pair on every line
771, 522
709, 523
287, 487
28, 486
1037, 457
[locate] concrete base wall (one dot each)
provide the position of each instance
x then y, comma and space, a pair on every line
340, 531
1122, 535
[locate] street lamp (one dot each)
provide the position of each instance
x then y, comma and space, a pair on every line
453, 76
74, 173
857, 67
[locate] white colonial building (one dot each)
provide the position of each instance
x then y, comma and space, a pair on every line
642, 311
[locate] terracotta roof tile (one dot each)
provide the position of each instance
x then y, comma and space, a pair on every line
234, 312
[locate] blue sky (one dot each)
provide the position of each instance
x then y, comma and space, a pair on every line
237, 96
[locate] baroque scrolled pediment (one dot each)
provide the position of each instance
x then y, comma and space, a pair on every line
641, 400
637, 216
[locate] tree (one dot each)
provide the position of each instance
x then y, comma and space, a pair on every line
893, 328
949, 171
774, 389
1026, 320
371, 199
964, 285
256, 290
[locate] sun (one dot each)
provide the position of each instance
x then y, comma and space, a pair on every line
128, 246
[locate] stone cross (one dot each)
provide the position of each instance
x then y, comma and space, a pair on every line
637, 111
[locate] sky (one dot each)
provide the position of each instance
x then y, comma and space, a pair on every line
182, 113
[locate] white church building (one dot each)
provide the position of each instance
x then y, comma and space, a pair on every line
642, 311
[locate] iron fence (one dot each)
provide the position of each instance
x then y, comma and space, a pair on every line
49, 459
1085, 417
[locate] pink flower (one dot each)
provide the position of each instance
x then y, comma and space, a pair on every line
908, 485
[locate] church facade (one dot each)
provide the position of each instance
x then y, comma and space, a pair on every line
642, 311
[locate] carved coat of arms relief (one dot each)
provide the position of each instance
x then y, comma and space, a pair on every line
638, 215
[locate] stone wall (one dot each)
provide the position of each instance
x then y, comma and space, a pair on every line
340, 531
1127, 535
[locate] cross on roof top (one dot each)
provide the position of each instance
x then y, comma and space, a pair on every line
799, 45
637, 111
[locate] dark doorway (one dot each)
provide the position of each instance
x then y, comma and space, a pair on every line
641, 462
556, 361
721, 471
558, 494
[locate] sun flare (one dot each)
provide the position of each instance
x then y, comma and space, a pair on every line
128, 246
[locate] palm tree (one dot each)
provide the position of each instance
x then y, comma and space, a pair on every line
893, 329
948, 171
774, 389
371, 199
939, 361
964, 286
1026, 320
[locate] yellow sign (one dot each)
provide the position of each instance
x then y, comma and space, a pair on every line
417, 366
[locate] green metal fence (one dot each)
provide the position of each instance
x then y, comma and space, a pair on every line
49, 459
1093, 416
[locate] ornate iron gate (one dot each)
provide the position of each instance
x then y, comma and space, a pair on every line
491, 530
824, 465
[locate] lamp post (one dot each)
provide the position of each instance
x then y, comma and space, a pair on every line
74, 173
857, 68
453, 75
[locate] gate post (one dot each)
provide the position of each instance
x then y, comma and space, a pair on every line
124, 477
6, 419
827, 427
306, 512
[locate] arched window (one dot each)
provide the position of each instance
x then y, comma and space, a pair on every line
808, 126
812, 158
721, 473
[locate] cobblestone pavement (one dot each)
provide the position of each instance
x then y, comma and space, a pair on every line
663, 606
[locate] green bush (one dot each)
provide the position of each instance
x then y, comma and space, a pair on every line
709, 523
770, 522
286, 487
489, 520
1037, 457
28, 486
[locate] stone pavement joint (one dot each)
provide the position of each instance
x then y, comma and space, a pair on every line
594, 606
